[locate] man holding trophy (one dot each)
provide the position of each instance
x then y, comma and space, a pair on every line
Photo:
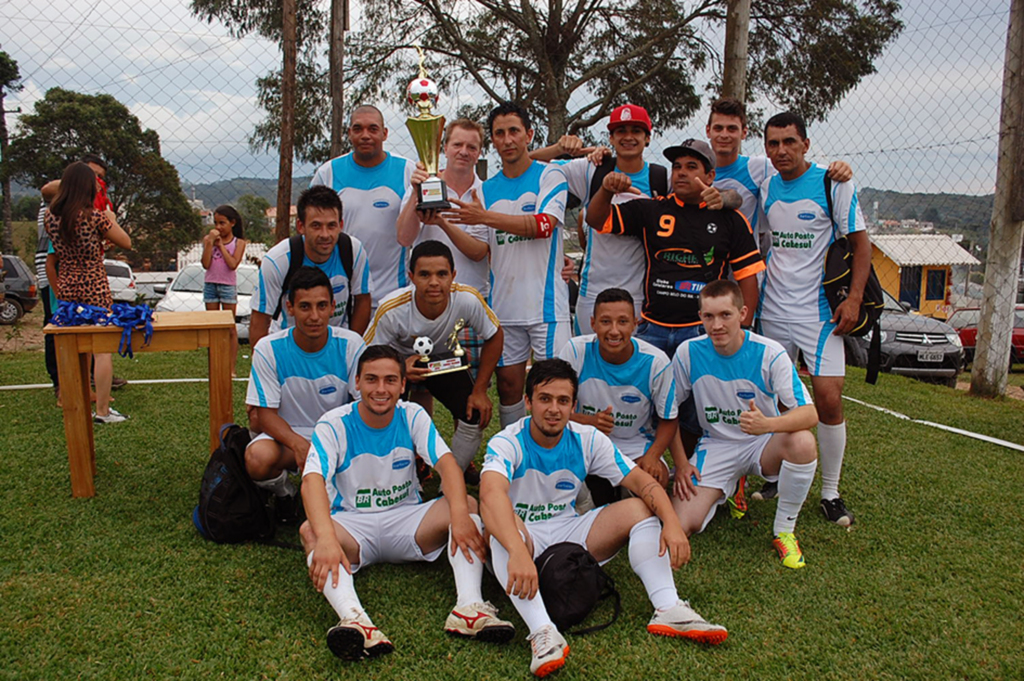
422, 322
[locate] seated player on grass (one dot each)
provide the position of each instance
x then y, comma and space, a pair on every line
531, 476
297, 374
626, 389
432, 307
364, 506
756, 415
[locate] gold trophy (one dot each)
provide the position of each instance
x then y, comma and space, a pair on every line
426, 130
443, 362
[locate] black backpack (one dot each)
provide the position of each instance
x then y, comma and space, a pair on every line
838, 274
297, 253
572, 583
657, 175
231, 507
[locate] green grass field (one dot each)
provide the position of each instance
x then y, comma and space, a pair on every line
928, 585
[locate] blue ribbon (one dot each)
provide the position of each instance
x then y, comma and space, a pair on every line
124, 315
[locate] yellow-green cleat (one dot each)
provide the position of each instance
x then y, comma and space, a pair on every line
789, 550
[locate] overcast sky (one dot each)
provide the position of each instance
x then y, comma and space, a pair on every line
926, 121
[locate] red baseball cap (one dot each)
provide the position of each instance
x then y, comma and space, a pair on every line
630, 114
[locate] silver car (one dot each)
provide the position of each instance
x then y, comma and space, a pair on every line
122, 281
185, 294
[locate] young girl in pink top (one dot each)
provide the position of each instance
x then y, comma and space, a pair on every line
223, 250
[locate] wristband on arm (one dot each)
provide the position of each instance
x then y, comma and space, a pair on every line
544, 226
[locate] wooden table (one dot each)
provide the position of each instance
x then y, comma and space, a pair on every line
171, 331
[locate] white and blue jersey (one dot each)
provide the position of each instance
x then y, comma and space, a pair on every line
611, 260
723, 385
303, 385
796, 212
543, 483
745, 176
526, 280
637, 390
369, 470
371, 200
268, 294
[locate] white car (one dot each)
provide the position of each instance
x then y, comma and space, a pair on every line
122, 281
185, 294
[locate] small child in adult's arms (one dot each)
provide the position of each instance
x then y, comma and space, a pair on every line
223, 250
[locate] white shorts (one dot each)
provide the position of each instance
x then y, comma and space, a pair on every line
824, 352
545, 339
388, 536
722, 463
585, 310
573, 528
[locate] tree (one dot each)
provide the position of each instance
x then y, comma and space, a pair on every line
10, 81
144, 188
253, 210
25, 209
572, 63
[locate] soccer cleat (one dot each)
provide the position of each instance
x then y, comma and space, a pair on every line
682, 621
769, 490
355, 638
789, 550
117, 382
479, 621
471, 475
835, 511
288, 510
113, 417
549, 650
738, 502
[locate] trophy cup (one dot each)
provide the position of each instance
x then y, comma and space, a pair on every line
443, 362
426, 130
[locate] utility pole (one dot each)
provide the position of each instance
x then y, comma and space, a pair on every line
7, 244
737, 30
282, 229
339, 24
992, 356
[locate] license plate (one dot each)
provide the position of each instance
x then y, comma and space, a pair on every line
930, 355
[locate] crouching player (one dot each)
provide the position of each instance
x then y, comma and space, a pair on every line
741, 379
364, 506
531, 476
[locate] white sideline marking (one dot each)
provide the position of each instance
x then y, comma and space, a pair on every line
951, 429
134, 381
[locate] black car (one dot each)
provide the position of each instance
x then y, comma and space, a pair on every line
19, 288
912, 345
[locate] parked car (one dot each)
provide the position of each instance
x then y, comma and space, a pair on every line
912, 345
122, 281
965, 321
185, 294
20, 292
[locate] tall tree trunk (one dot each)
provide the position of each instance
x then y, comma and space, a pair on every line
284, 176
339, 24
737, 30
7, 245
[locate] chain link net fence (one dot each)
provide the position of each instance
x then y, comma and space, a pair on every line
921, 133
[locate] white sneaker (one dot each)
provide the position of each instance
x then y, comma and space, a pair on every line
549, 650
113, 417
479, 621
354, 638
682, 621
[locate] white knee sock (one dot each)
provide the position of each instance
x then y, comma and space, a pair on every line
281, 486
794, 483
342, 598
533, 612
511, 413
466, 443
653, 570
467, 575
831, 446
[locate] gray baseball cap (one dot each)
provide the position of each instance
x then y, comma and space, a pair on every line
696, 148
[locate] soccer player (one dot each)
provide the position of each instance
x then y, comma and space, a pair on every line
532, 474
794, 311
524, 207
371, 183
686, 244
319, 224
297, 374
625, 390
756, 418
364, 507
432, 307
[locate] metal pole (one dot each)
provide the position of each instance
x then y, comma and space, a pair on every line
737, 28
339, 24
995, 327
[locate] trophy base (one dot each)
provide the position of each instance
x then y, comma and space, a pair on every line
433, 195
438, 366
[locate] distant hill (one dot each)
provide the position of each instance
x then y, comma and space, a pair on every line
228, 191
948, 211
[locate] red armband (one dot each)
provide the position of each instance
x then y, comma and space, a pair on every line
544, 226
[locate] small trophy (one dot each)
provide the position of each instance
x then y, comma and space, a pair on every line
443, 362
426, 130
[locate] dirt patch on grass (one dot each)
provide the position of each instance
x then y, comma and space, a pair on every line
27, 334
